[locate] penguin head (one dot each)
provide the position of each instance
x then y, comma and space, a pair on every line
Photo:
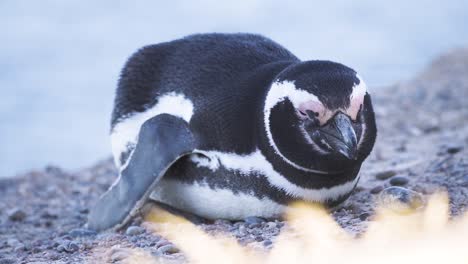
318, 117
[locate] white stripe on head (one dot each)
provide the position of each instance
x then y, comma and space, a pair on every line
257, 162
356, 99
127, 129
278, 92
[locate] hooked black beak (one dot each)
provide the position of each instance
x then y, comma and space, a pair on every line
340, 136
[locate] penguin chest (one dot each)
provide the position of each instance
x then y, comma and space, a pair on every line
210, 202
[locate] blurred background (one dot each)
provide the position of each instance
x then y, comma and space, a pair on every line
60, 60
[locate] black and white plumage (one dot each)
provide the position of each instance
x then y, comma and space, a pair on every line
260, 129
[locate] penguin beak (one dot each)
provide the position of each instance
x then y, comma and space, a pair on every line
340, 135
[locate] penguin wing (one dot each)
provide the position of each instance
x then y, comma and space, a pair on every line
162, 140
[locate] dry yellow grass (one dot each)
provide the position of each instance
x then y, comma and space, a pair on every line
393, 236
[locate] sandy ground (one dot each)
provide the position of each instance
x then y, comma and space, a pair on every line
421, 146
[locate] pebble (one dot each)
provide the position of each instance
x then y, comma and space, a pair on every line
167, 249
385, 174
376, 189
16, 215
7, 261
267, 243
364, 216
81, 232
134, 230
119, 255
20, 247
162, 243
259, 238
72, 247
407, 199
254, 220
49, 215
68, 247
452, 149
399, 181
222, 222
13, 242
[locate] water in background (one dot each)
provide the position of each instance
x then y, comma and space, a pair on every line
60, 60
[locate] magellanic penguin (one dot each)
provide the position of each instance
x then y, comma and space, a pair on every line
233, 125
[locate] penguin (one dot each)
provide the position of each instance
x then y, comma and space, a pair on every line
233, 125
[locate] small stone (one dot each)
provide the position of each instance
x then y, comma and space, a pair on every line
71, 247
222, 222
400, 199
49, 215
267, 243
167, 249
254, 220
81, 232
20, 247
364, 216
7, 261
452, 149
134, 230
385, 174
259, 238
399, 181
36, 250
13, 242
119, 255
162, 243
376, 189
16, 215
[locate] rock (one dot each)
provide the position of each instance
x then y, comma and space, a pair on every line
162, 243
68, 246
49, 215
385, 174
454, 148
16, 214
20, 247
134, 230
222, 222
376, 189
71, 247
267, 243
81, 232
254, 220
399, 181
7, 261
400, 199
167, 249
364, 216
13, 242
119, 255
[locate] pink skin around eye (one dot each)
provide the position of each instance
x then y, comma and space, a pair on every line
314, 106
355, 104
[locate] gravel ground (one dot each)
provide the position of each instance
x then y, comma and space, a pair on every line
422, 146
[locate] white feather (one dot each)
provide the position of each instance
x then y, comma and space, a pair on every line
200, 199
256, 162
126, 130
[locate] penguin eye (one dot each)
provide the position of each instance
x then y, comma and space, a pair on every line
311, 114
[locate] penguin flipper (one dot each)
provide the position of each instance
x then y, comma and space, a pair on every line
162, 140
